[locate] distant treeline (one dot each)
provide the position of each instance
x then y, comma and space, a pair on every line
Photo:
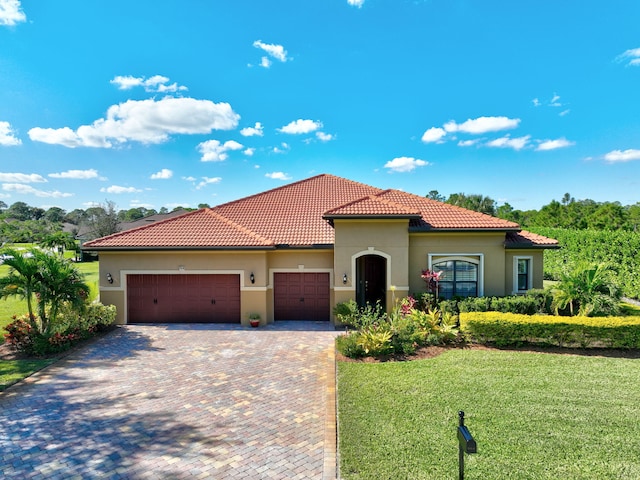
567, 213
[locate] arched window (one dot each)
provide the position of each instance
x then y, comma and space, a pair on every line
458, 278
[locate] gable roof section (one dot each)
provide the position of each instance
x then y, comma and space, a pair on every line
297, 215
372, 206
199, 229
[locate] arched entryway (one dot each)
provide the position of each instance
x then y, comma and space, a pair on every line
371, 280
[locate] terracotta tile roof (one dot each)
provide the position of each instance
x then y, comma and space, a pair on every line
524, 239
372, 206
297, 215
442, 216
202, 228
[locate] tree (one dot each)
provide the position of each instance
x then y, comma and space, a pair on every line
59, 241
55, 215
435, 195
203, 205
102, 220
51, 279
589, 288
19, 211
163, 211
22, 280
475, 202
3, 206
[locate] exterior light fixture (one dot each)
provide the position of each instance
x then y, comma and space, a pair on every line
109, 278
344, 279
252, 277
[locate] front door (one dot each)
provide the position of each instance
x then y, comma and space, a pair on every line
371, 277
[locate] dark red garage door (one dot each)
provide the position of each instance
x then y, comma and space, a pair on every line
301, 296
183, 298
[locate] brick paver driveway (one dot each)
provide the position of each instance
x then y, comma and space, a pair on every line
179, 401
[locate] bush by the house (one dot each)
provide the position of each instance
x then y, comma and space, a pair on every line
507, 329
71, 326
534, 301
401, 332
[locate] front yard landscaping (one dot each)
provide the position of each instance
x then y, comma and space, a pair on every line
533, 415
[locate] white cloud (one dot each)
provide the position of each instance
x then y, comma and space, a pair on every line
144, 121
76, 174
324, 137
208, 181
301, 126
214, 151
273, 50
507, 142
622, 156
356, 3
139, 204
189, 179
163, 174
285, 148
11, 12
482, 125
468, 143
536, 102
404, 164
265, 62
29, 190
433, 134
555, 144
116, 189
249, 152
7, 135
157, 83
632, 57
278, 176
257, 129
22, 178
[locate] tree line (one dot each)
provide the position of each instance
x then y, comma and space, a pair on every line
567, 213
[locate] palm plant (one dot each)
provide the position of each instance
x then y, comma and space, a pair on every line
22, 280
59, 241
589, 288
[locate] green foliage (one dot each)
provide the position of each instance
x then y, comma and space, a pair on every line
505, 329
400, 333
534, 301
589, 290
70, 327
616, 249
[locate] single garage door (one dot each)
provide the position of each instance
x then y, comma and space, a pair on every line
183, 298
301, 296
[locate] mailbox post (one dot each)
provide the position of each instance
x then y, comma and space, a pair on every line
466, 444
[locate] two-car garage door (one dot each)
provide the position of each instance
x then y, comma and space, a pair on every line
200, 298
183, 298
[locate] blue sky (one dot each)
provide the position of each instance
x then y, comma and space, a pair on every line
164, 103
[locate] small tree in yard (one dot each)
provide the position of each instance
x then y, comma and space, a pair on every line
52, 280
588, 289
59, 241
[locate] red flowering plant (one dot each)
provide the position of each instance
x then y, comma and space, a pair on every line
431, 278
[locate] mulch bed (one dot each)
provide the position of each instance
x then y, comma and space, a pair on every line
431, 352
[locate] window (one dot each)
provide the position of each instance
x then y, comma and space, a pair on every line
458, 278
522, 274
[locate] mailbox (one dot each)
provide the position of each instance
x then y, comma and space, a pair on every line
467, 443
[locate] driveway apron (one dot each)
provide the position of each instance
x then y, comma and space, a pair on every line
179, 401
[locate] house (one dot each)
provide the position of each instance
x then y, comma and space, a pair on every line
293, 252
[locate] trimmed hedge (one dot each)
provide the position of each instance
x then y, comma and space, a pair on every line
507, 329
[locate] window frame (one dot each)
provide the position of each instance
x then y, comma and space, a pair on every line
516, 274
476, 258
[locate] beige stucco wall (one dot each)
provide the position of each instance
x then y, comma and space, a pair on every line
387, 238
537, 257
254, 298
486, 245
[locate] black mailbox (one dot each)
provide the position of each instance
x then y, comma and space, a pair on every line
467, 443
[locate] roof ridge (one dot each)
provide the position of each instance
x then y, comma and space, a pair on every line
392, 202
239, 227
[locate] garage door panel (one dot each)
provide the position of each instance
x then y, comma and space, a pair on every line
197, 298
301, 296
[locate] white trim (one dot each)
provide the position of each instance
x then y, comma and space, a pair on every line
516, 258
465, 257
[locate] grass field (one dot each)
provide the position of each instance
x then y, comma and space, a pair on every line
533, 415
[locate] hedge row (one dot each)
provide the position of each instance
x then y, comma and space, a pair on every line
507, 329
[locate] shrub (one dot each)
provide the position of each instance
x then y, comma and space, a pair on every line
505, 329
348, 346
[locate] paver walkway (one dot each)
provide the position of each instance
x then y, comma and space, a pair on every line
179, 401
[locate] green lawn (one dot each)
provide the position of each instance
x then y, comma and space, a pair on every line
12, 371
533, 415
